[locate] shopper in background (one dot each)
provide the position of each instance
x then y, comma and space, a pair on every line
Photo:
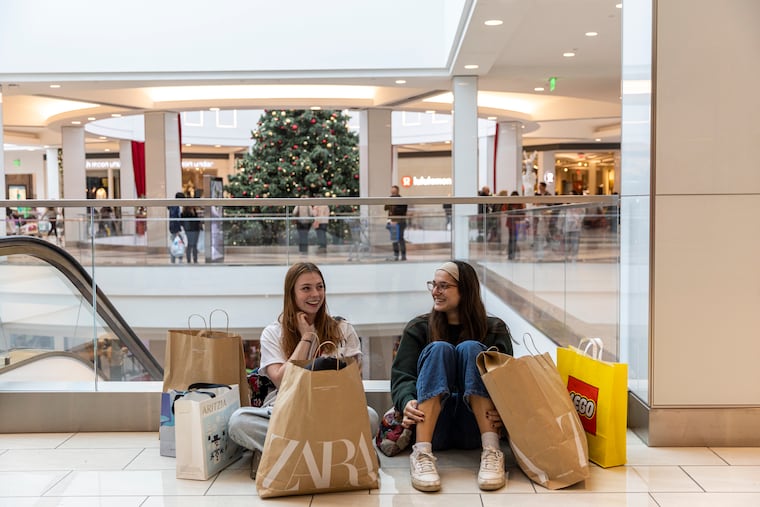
192, 225
175, 228
321, 214
397, 220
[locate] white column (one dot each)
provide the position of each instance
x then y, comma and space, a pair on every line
376, 164
127, 170
127, 188
52, 177
74, 183
508, 157
547, 170
464, 158
163, 170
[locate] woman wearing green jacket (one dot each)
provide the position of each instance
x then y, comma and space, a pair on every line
435, 382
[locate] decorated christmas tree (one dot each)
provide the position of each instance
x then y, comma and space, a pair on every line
296, 153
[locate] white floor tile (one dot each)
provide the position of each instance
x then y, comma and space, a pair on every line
643, 455
80, 501
666, 478
225, 501
147, 483
112, 440
738, 455
33, 440
706, 499
565, 499
28, 483
740, 479
416, 500
67, 459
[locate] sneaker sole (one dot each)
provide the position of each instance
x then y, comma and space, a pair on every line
427, 488
491, 487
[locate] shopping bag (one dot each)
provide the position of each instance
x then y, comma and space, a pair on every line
166, 427
177, 246
545, 433
202, 420
203, 355
319, 436
599, 391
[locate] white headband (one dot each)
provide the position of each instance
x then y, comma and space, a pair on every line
450, 268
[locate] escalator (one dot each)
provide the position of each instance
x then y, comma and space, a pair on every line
67, 267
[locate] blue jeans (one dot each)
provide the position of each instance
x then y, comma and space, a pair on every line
451, 372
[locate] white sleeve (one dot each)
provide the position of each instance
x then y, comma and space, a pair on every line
271, 347
350, 346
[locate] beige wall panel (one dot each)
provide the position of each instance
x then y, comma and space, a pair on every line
706, 301
707, 107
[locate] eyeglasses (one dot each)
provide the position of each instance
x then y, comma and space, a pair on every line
440, 286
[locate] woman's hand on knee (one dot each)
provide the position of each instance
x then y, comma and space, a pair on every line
412, 414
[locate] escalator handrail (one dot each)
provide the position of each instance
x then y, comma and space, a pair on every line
67, 265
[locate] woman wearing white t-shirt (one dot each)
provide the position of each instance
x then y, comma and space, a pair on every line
303, 324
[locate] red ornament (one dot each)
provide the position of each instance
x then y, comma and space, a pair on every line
245, 192
313, 121
329, 183
356, 176
294, 127
295, 146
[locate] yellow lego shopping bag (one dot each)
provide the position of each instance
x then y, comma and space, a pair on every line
599, 390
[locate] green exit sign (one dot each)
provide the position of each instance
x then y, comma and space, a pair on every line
17, 162
552, 83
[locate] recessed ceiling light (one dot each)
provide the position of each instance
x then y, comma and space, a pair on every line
568, 54
538, 89
315, 108
598, 139
619, 6
91, 118
592, 34
116, 115
217, 146
107, 149
55, 86
76, 122
447, 141
491, 117
401, 81
102, 137
429, 111
213, 109
188, 144
471, 66
493, 22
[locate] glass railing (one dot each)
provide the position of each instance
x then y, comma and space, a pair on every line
548, 264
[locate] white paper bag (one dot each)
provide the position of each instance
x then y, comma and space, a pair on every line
202, 420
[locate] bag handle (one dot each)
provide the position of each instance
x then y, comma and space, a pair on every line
318, 349
596, 345
205, 325
227, 315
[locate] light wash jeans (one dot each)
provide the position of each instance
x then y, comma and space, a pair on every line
451, 372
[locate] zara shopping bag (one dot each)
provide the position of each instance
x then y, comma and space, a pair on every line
202, 419
319, 436
599, 390
545, 434
203, 355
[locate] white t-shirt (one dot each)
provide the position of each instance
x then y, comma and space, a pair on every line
271, 344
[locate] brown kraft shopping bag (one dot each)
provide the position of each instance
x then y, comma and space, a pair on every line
545, 434
203, 355
319, 436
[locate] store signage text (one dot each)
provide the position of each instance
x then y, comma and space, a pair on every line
424, 181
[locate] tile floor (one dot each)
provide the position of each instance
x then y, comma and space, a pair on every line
125, 469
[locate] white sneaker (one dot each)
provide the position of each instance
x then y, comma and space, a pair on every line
491, 474
424, 471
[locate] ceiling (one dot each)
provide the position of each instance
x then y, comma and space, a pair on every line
513, 59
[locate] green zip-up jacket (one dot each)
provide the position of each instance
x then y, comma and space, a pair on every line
415, 338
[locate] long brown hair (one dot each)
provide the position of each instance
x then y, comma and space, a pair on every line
327, 328
472, 312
